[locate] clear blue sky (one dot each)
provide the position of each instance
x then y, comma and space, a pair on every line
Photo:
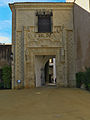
6, 18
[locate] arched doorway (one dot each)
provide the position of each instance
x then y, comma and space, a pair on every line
45, 70
50, 71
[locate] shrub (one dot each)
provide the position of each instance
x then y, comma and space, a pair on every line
80, 79
83, 78
87, 76
6, 76
1, 85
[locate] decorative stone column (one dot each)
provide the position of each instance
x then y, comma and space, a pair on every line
71, 59
19, 59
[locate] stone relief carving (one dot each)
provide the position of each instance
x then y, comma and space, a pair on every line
31, 36
43, 12
27, 54
62, 55
54, 36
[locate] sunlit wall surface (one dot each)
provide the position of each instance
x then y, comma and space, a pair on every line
83, 3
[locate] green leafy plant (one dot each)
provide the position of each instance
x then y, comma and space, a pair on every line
1, 85
87, 76
83, 78
80, 79
6, 76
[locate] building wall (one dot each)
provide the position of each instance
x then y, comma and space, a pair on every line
27, 16
83, 4
82, 37
5, 57
28, 43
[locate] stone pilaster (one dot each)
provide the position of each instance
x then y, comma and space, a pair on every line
19, 60
70, 59
13, 45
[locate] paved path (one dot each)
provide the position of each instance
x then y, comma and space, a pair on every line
45, 104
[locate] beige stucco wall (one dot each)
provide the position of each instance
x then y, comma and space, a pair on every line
25, 18
61, 16
82, 37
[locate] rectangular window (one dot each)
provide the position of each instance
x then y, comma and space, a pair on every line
44, 23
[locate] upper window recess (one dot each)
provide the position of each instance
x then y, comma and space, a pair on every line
44, 22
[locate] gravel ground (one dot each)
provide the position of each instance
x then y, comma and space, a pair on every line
45, 104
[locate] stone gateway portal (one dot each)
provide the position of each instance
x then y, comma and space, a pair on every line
40, 32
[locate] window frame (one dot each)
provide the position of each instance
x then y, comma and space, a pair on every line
50, 21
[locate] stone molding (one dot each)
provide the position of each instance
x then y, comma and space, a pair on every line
40, 5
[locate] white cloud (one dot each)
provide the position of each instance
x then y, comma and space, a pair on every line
1, 4
5, 24
5, 2
5, 31
4, 39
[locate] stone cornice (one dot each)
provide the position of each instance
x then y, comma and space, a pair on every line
43, 5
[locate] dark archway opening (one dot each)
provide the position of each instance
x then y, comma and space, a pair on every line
45, 70
50, 72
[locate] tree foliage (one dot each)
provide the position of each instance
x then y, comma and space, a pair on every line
6, 76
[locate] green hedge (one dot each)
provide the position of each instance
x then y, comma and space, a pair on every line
80, 79
83, 78
87, 76
6, 76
